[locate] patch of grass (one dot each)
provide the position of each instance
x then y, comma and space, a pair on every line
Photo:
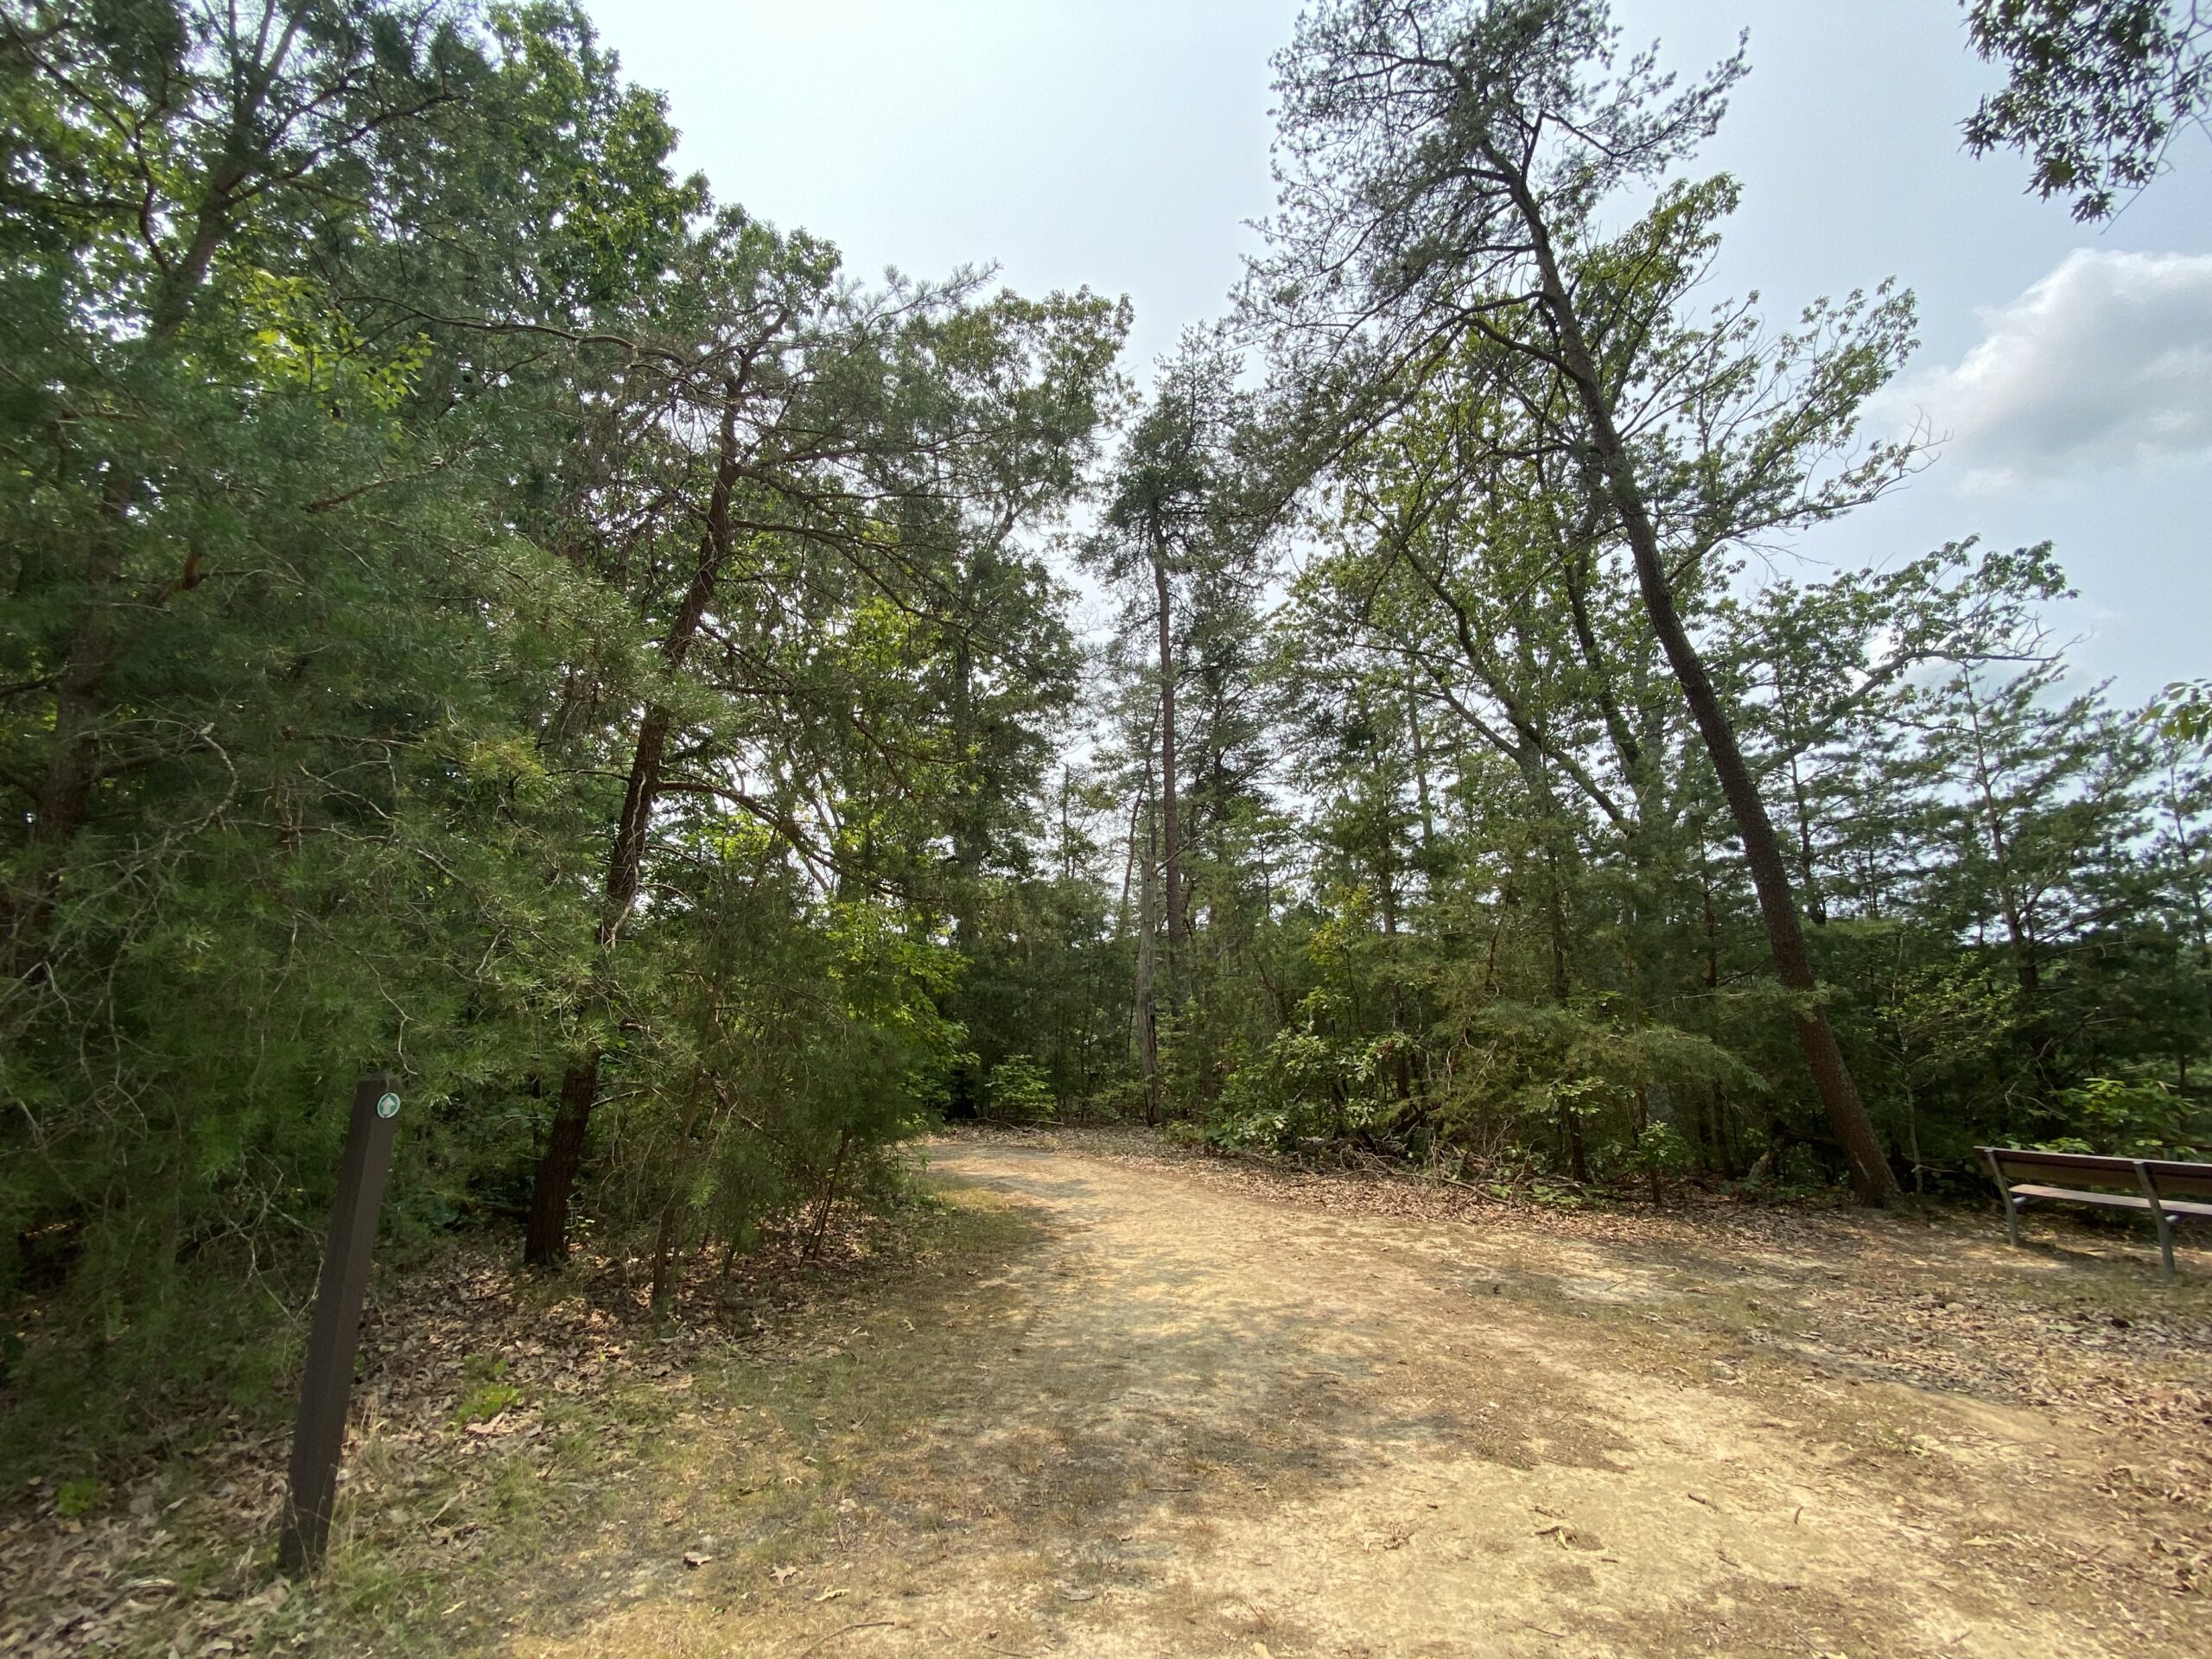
757, 1449
488, 1392
79, 1496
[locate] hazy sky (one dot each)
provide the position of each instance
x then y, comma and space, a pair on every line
1121, 144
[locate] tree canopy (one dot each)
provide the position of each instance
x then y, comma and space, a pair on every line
480, 605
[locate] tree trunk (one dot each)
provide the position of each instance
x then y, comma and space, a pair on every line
550, 1190
1808, 870
1171, 840
1578, 1157
663, 1259
1570, 1118
1872, 1178
1147, 1015
546, 1245
970, 839
556, 1180
829, 1196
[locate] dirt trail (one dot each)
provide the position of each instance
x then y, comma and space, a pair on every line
1179, 1417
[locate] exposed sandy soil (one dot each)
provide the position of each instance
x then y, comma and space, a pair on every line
1119, 1401
1188, 1413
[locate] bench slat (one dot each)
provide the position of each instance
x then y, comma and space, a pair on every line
2071, 1195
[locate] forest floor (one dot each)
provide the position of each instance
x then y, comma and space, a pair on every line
1112, 1399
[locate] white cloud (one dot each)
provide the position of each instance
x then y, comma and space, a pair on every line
2104, 364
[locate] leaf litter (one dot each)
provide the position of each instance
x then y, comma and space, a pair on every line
180, 1563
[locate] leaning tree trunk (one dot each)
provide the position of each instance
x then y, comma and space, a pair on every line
547, 1241
1872, 1178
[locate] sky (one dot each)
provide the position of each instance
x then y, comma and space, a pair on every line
1122, 145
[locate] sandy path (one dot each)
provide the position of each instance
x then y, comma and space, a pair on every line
1182, 1419
1354, 1440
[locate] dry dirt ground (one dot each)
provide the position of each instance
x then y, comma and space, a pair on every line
1152, 1404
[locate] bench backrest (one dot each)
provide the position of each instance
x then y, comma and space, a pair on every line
2175, 1179
2088, 1169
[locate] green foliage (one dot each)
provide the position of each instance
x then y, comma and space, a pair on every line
369, 700
478, 605
2095, 91
2143, 1119
79, 1496
1019, 1093
2183, 711
485, 1390
1301, 1088
1660, 1149
1461, 885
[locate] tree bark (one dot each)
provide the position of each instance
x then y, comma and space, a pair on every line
664, 1260
1145, 1015
547, 1242
1872, 1178
829, 1195
1171, 839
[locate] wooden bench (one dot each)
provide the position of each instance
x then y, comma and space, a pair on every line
2164, 1189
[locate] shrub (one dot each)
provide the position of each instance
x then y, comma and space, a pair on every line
1019, 1093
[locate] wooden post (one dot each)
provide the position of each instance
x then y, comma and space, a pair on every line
324, 1390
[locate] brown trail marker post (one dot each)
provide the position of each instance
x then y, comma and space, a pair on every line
320, 1432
